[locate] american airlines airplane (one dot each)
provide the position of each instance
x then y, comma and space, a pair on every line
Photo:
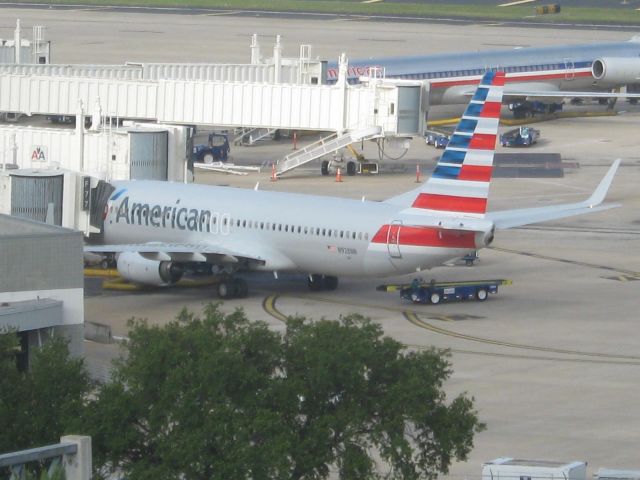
591, 70
155, 227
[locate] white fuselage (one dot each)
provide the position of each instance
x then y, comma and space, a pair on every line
289, 232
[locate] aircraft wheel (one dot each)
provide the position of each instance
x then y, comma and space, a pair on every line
330, 283
324, 168
481, 294
351, 168
435, 298
226, 289
241, 287
315, 283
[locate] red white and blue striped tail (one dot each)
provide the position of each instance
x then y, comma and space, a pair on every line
460, 182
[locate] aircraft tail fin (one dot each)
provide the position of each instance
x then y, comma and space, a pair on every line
460, 182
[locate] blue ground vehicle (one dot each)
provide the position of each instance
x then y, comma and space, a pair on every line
217, 149
520, 137
436, 139
436, 292
524, 109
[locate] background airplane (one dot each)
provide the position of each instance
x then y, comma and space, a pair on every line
158, 227
591, 70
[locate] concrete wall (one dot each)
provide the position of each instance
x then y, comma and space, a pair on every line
39, 261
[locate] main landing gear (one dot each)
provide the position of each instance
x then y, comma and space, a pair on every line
322, 282
232, 288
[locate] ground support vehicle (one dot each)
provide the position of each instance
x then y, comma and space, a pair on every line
437, 139
527, 108
470, 258
435, 292
347, 167
217, 149
520, 137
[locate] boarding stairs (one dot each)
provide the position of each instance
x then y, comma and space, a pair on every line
330, 144
249, 136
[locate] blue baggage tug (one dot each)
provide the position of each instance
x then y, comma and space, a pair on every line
435, 292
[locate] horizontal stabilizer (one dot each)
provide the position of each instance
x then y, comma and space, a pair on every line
516, 218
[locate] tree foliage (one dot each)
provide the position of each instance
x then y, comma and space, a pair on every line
218, 396
41, 404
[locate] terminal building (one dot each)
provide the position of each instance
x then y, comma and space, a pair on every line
41, 286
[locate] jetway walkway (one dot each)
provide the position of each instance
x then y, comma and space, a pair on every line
232, 104
379, 107
324, 146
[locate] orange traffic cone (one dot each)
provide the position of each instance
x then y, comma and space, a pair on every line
274, 177
338, 175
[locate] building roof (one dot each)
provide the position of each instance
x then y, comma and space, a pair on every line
11, 227
518, 462
30, 314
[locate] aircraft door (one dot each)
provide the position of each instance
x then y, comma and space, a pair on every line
393, 239
569, 69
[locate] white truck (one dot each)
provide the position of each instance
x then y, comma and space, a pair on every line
505, 468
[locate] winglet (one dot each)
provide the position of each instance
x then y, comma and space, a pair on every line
601, 190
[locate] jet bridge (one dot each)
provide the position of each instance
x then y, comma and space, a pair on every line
338, 108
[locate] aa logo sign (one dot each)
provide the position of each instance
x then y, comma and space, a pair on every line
39, 153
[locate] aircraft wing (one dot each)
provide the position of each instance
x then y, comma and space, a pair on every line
161, 251
551, 91
568, 94
516, 218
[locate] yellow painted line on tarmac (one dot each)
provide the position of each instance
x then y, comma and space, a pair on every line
444, 121
415, 320
269, 306
518, 2
101, 272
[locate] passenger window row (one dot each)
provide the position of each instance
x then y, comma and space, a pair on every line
481, 71
298, 229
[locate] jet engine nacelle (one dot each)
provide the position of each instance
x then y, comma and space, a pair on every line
485, 238
616, 70
135, 268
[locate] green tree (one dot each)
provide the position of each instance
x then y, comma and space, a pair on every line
219, 396
41, 404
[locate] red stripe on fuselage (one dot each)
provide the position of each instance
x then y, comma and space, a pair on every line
475, 173
450, 203
425, 237
524, 78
